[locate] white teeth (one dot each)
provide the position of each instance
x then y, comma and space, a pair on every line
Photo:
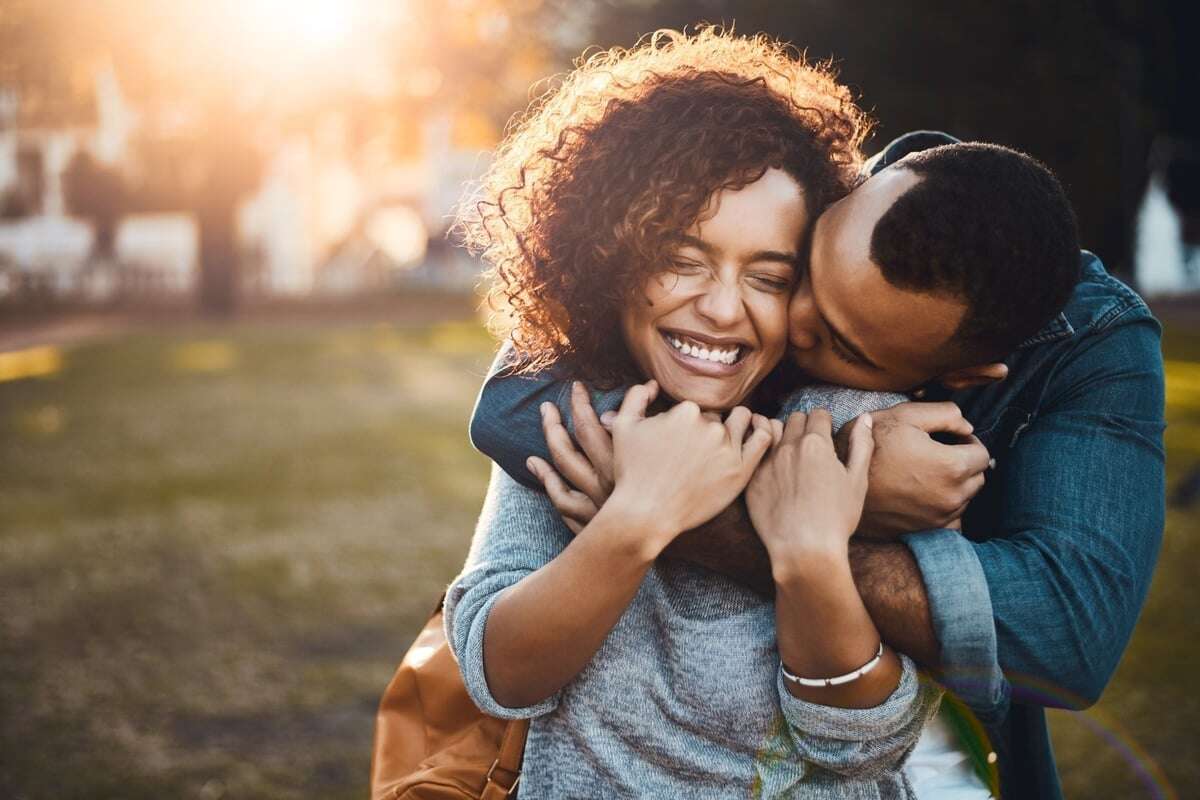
705, 353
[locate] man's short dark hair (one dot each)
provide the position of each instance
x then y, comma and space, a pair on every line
989, 225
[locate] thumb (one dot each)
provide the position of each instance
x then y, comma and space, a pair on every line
758, 443
637, 400
862, 445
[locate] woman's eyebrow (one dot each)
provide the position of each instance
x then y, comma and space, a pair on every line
783, 257
687, 240
789, 258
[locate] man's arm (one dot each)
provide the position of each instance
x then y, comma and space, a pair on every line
1079, 520
506, 425
886, 573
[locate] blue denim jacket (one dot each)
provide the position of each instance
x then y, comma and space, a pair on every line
1034, 603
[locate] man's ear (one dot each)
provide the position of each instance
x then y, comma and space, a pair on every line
978, 375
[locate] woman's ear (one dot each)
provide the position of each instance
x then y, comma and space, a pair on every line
978, 375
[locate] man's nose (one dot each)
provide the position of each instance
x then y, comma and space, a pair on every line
802, 320
721, 305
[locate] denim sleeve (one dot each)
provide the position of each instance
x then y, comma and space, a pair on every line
506, 425
1071, 561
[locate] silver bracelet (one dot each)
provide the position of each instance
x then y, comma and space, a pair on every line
840, 679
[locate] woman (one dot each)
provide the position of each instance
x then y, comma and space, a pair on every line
644, 222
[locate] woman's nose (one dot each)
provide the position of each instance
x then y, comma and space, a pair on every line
721, 305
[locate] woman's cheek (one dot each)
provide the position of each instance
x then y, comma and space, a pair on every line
771, 323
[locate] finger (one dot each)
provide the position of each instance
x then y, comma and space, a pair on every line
974, 457
607, 419
793, 429
571, 464
569, 502
776, 431
595, 441
820, 423
687, 410
974, 485
757, 445
934, 417
862, 445
737, 422
637, 400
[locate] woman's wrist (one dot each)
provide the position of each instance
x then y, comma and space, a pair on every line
634, 524
806, 561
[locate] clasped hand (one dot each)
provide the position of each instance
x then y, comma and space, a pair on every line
669, 472
914, 482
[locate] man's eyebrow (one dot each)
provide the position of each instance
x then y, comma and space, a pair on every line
789, 258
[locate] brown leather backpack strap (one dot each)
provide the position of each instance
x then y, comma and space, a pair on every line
505, 774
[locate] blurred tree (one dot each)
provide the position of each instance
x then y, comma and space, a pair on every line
217, 84
52, 50
97, 193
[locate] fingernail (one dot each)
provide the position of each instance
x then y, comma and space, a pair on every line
576, 386
868, 422
991, 463
531, 465
544, 407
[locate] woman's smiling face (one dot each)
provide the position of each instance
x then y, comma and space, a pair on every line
713, 324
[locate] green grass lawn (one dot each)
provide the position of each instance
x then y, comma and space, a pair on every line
215, 544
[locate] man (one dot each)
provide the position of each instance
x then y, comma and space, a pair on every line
1033, 602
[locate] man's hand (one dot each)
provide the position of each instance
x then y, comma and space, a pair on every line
917, 483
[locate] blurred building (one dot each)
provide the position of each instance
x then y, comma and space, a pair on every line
335, 211
1167, 254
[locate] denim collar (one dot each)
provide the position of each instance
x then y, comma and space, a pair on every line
1058, 328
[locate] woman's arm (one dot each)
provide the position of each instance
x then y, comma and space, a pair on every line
805, 505
864, 727
543, 630
672, 471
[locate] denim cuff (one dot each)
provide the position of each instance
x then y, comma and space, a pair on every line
961, 607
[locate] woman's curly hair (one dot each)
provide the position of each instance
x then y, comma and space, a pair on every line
592, 186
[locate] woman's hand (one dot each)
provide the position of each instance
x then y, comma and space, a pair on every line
680, 468
802, 500
590, 466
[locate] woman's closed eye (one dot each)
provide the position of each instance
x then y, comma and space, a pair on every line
772, 283
683, 266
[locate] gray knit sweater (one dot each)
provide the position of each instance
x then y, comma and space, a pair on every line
685, 695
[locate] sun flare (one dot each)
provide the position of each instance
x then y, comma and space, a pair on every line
308, 24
